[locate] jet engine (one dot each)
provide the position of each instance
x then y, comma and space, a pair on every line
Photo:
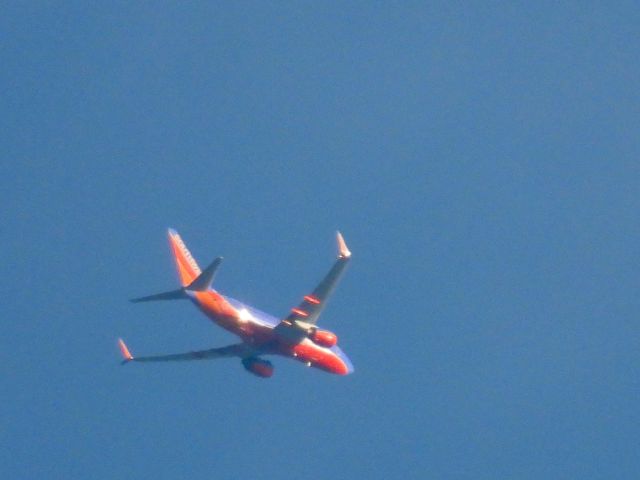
324, 338
257, 366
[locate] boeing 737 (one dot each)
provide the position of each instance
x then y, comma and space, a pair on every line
296, 336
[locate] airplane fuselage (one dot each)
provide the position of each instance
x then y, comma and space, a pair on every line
256, 329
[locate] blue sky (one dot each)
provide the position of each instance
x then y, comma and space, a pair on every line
481, 161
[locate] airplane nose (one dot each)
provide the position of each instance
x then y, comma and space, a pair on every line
346, 367
338, 366
342, 369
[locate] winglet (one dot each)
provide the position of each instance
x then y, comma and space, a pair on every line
126, 354
343, 251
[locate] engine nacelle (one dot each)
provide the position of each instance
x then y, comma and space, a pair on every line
324, 338
257, 366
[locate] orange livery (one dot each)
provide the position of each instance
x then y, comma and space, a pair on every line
296, 336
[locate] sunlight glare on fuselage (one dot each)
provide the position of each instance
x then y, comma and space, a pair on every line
244, 315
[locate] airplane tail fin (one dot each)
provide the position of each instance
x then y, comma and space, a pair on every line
191, 278
188, 269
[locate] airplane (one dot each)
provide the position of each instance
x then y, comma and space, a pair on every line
296, 336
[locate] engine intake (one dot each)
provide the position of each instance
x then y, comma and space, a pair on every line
257, 366
324, 338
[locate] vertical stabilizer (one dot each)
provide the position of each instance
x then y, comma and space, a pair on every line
187, 267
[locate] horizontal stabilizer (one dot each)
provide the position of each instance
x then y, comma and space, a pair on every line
172, 295
203, 282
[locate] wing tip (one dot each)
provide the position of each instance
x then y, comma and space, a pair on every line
126, 354
343, 250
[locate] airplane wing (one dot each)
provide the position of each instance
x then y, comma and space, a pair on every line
236, 350
307, 312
